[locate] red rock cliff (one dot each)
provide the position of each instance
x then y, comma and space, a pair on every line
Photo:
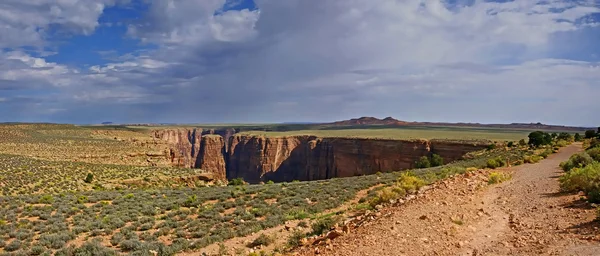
257, 158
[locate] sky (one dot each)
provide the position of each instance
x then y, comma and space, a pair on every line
263, 61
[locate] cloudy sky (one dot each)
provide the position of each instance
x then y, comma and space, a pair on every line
202, 61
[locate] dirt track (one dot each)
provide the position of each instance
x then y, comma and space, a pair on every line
464, 216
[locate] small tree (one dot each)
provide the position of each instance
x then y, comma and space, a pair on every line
89, 178
539, 138
436, 160
590, 134
423, 162
577, 137
565, 136
510, 144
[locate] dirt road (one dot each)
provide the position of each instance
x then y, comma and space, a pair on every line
464, 216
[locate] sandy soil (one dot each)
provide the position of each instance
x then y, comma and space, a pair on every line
465, 216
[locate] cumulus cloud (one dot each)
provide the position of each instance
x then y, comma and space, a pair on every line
295, 60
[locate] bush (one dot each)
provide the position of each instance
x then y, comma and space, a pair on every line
94, 249
323, 225
493, 163
423, 162
594, 153
576, 161
236, 182
532, 159
498, 177
89, 178
522, 142
262, 240
384, 196
586, 179
577, 137
546, 153
539, 138
590, 134
13, 246
436, 160
294, 238
409, 182
510, 144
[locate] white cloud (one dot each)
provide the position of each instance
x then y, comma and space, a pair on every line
412, 59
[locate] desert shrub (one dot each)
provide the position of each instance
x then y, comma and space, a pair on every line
577, 137
236, 182
409, 182
522, 142
539, 138
586, 179
436, 160
37, 250
561, 143
384, 196
545, 153
130, 245
13, 246
302, 224
510, 144
423, 162
577, 161
93, 249
89, 178
323, 225
46, 199
262, 239
594, 153
492, 163
532, 159
295, 238
590, 134
491, 146
594, 143
498, 177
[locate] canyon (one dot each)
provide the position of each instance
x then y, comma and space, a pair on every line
254, 158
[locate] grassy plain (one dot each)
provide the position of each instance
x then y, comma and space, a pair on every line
407, 132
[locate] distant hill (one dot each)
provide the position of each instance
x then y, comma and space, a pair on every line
105, 123
389, 121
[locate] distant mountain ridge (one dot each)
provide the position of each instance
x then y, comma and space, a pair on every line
390, 121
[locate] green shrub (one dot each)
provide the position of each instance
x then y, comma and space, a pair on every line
93, 249
577, 161
532, 159
436, 160
46, 199
498, 177
409, 182
423, 162
510, 144
384, 196
586, 179
13, 246
295, 238
236, 182
262, 239
494, 163
545, 153
89, 178
323, 225
594, 153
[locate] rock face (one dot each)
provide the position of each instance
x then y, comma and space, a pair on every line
211, 156
259, 158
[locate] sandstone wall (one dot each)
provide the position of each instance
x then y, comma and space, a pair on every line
258, 158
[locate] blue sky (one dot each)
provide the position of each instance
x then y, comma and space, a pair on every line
203, 61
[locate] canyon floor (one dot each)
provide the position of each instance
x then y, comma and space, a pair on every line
526, 215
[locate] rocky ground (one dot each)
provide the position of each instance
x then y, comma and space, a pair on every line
465, 216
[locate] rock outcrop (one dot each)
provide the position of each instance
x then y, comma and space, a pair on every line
260, 158
257, 158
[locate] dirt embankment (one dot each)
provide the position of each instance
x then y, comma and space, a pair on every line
524, 216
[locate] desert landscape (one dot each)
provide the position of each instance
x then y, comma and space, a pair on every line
295, 189
298, 127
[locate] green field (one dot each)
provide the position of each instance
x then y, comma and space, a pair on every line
421, 132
